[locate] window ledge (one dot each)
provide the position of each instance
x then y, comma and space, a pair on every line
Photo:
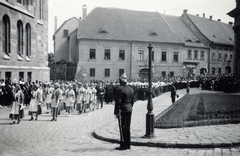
39, 22
6, 57
28, 59
19, 58
189, 58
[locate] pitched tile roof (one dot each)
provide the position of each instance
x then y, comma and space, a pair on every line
215, 31
73, 18
182, 31
126, 25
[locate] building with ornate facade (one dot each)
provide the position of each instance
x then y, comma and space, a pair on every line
111, 41
24, 40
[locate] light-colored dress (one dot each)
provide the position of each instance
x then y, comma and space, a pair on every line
17, 103
70, 98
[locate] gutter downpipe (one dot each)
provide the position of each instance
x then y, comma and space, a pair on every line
131, 51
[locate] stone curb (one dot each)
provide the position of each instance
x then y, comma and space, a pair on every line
167, 144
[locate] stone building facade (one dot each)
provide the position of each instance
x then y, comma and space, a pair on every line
24, 40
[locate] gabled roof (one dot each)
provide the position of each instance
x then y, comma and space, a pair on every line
182, 31
126, 25
64, 24
215, 31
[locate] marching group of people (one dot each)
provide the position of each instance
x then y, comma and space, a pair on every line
82, 97
57, 96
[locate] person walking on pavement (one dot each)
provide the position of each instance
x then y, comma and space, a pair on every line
173, 93
70, 99
35, 103
56, 99
16, 111
123, 111
100, 93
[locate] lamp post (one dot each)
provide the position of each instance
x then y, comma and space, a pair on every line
150, 120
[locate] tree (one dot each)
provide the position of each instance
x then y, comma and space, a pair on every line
50, 58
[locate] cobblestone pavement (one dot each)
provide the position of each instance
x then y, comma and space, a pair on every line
73, 135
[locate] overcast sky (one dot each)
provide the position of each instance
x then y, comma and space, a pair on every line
65, 9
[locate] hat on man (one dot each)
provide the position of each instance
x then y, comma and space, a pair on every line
123, 78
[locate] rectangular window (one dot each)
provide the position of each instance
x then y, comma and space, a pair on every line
213, 71
65, 33
195, 55
121, 71
164, 56
140, 55
219, 70
92, 54
163, 73
171, 74
213, 57
202, 55
21, 76
175, 56
107, 55
121, 54
8, 75
29, 76
92, 72
152, 55
189, 57
226, 57
107, 72
219, 56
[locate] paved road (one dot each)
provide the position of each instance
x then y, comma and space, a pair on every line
73, 136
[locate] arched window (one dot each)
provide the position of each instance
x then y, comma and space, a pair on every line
6, 35
20, 38
28, 40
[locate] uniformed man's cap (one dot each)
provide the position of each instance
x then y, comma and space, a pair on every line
123, 78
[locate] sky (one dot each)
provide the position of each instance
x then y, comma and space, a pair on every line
65, 10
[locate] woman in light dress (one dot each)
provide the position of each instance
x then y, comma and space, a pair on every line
70, 99
80, 98
16, 111
36, 102
49, 91
93, 98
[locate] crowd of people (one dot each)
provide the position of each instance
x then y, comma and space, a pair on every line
73, 96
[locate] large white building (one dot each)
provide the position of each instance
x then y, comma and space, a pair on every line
111, 41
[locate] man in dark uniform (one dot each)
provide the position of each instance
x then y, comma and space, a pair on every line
173, 93
123, 111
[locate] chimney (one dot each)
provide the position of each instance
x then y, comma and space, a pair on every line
185, 11
210, 17
219, 20
197, 15
204, 15
84, 11
230, 23
55, 23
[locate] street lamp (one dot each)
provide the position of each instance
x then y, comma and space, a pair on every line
150, 120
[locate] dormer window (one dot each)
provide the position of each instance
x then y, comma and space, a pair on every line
214, 36
153, 34
102, 31
230, 39
188, 40
197, 41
